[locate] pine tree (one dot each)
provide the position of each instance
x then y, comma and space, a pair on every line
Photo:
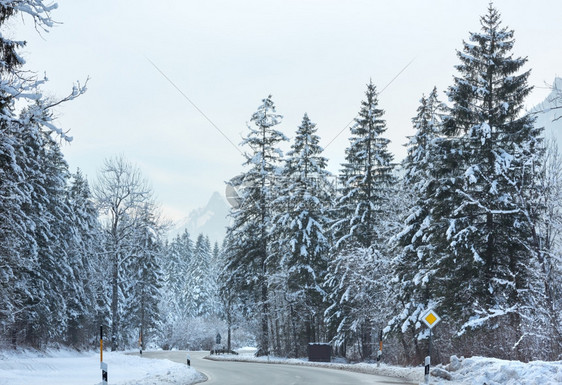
416, 254
18, 256
145, 277
24, 146
249, 263
362, 214
365, 178
18, 248
357, 291
300, 232
493, 155
176, 268
84, 310
198, 282
216, 265
50, 214
175, 297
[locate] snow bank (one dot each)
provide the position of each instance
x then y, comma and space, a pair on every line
467, 371
71, 368
490, 371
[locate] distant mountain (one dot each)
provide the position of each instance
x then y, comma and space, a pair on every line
548, 111
210, 220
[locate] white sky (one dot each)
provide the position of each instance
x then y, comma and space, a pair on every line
313, 56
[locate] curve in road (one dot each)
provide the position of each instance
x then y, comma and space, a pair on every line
244, 373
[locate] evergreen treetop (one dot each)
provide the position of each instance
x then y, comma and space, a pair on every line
365, 177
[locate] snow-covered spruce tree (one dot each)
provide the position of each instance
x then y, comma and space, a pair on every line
485, 280
358, 291
190, 303
176, 269
86, 301
145, 279
365, 178
18, 248
417, 256
249, 264
299, 235
47, 173
175, 298
367, 185
216, 265
197, 282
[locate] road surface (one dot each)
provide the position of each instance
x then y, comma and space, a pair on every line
245, 373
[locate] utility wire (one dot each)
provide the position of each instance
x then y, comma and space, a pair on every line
384, 88
194, 105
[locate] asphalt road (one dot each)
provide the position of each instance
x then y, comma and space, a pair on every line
244, 373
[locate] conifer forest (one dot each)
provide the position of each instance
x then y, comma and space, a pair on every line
468, 224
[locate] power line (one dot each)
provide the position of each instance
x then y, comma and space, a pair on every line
194, 105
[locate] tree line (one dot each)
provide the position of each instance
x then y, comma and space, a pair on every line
466, 225
74, 257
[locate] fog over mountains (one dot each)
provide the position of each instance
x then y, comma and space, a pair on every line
210, 220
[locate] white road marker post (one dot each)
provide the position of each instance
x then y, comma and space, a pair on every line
140, 339
430, 319
103, 365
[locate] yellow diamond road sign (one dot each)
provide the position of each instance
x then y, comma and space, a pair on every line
431, 319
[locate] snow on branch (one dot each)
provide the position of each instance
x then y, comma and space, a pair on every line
41, 111
37, 9
77, 90
485, 316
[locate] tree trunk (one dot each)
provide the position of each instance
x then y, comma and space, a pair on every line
264, 319
114, 305
229, 322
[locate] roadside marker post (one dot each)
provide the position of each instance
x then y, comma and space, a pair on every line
430, 318
103, 365
140, 340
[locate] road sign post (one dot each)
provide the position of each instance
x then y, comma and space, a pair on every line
430, 318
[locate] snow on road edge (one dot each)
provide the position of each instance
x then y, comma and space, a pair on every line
475, 370
408, 374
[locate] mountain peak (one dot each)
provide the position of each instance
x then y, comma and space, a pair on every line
216, 200
211, 220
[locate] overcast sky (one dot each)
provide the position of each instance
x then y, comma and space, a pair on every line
313, 56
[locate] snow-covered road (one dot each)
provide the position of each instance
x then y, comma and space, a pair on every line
243, 373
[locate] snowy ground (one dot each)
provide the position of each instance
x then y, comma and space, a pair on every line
70, 368
466, 371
